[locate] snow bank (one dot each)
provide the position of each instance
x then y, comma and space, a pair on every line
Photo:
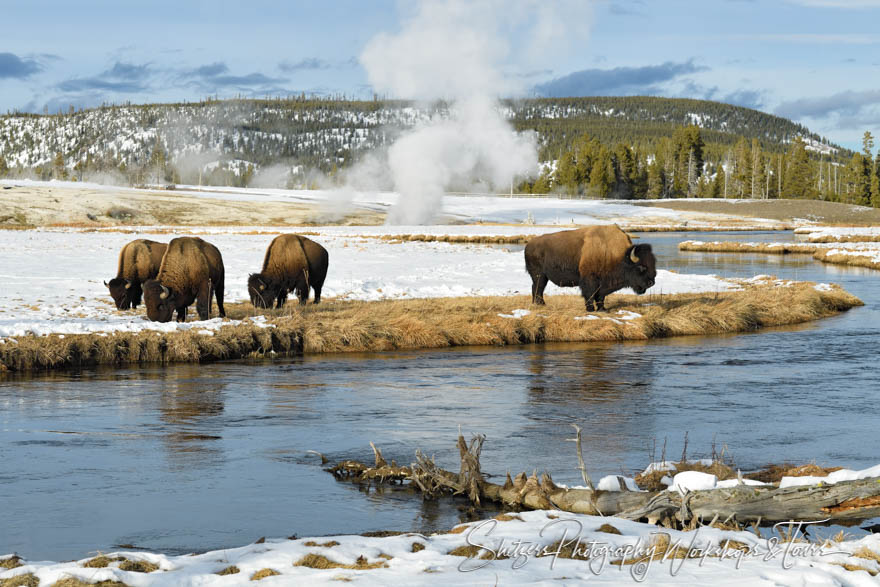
522, 550
832, 478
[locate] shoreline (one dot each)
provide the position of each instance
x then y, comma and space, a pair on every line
390, 325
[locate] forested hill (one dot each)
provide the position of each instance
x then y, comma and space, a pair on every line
229, 141
640, 121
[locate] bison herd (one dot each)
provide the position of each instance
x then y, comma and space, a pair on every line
598, 259
171, 277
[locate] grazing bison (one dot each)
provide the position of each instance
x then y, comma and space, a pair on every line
598, 259
139, 261
191, 270
292, 263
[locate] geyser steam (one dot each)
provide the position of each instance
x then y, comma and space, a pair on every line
456, 51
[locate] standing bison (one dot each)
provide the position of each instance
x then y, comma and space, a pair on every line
139, 261
292, 263
598, 259
191, 270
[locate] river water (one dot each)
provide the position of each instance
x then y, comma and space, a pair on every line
191, 458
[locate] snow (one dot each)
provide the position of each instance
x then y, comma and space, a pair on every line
55, 281
516, 314
692, 481
699, 481
611, 483
528, 543
832, 478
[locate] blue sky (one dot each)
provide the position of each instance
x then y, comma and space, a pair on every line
815, 61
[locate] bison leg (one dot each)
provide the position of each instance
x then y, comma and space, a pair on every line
136, 294
218, 293
317, 290
203, 300
181, 314
282, 298
590, 290
539, 282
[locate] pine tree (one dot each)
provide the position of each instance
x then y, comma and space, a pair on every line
799, 175
718, 185
4, 167
602, 177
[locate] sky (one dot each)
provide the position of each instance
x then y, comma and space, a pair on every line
814, 61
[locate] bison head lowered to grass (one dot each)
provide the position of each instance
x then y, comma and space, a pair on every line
139, 261
191, 271
292, 263
598, 259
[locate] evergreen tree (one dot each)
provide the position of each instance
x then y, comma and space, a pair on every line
799, 175
717, 190
602, 177
656, 181
4, 167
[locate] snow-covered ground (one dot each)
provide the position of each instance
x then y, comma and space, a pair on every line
54, 281
455, 208
519, 551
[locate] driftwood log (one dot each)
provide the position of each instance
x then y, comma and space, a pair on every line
844, 503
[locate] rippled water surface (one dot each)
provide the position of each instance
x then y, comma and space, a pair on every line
190, 458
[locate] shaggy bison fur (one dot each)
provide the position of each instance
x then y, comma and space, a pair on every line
191, 270
139, 261
598, 259
292, 263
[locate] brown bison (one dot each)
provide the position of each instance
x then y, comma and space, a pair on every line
598, 259
292, 263
191, 270
139, 261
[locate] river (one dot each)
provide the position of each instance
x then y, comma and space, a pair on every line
200, 457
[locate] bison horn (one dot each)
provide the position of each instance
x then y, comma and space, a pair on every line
106, 284
632, 255
164, 293
127, 283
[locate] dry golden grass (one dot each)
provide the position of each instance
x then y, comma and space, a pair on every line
230, 570
11, 562
323, 544
351, 326
845, 238
263, 573
317, 561
852, 567
74, 582
608, 529
138, 566
843, 258
868, 554
736, 247
25, 580
101, 561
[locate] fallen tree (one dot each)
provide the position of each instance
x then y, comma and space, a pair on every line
844, 503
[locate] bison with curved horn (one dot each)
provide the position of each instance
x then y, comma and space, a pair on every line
292, 263
191, 271
139, 261
598, 259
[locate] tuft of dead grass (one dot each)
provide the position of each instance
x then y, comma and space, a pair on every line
608, 529
508, 517
74, 582
11, 562
101, 561
263, 573
24, 580
138, 566
317, 561
230, 570
853, 567
773, 473
352, 326
417, 547
323, 544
